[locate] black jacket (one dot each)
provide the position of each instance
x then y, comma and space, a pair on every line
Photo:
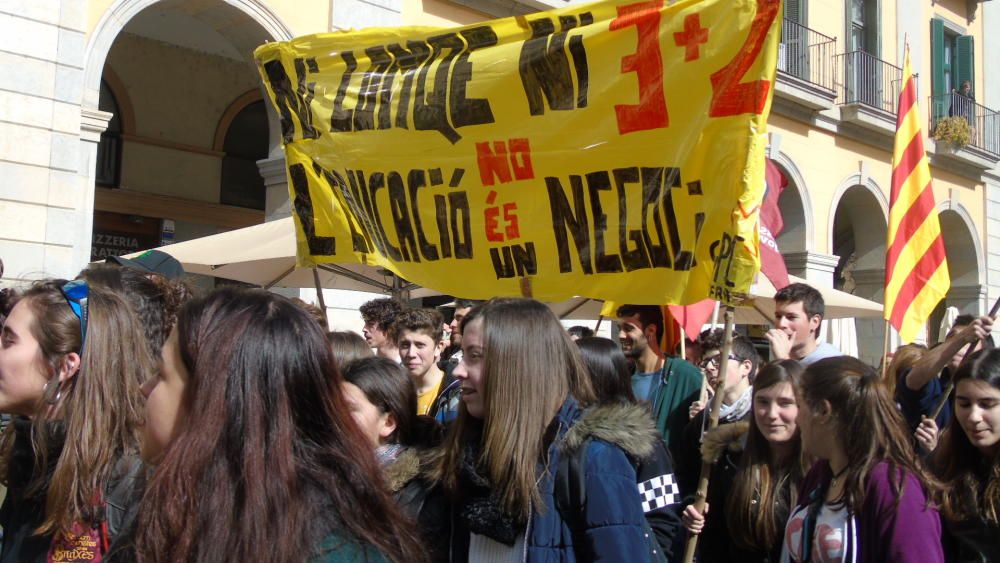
726, 445
423, 502
22, 512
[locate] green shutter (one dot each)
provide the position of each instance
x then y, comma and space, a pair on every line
965, 59
940, 105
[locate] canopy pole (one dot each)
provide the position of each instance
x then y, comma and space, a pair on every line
319, 290
275, 281
713, 421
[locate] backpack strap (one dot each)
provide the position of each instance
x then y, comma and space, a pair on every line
571, 490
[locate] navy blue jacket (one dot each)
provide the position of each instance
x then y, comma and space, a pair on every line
614, 522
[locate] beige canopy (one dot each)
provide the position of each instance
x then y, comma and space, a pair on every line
757, 311
265, 255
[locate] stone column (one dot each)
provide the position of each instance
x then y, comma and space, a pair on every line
93, 122
277, 204
815, 267
870, 284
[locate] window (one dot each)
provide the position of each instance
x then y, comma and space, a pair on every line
863, 24
246, 142
109, 150
953, 62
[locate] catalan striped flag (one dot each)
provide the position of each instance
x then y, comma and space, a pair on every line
916, 270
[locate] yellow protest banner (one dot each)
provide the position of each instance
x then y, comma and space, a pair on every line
613, 150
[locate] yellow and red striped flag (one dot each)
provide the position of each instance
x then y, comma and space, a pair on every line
916, 270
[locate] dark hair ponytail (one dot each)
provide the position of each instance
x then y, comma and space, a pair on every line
864, 411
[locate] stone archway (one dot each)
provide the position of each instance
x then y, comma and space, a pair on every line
966, 266
858, 228
171, 166
796, 209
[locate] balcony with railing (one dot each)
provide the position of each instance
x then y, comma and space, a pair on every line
868, 91
964, 130
805, 66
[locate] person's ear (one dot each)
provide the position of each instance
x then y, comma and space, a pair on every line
650, 333
388, 426
746, 368
823, 412
68, 367
814, 322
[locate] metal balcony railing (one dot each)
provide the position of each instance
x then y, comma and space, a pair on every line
806, 54
867, 80
983, 122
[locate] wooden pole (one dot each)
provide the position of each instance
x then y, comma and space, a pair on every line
526, 289
713, 421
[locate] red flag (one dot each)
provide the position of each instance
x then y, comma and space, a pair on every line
772, 263
692, 317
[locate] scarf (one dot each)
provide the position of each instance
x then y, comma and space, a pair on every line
388, 453
479, 508
737, 410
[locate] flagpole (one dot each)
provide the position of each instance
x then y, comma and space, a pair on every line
713, 421
885, 351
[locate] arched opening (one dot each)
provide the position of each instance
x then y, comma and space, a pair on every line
182, 64
246, 142
794, 236
859, 231
858, 240
964, 268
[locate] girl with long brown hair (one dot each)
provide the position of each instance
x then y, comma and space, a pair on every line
968, 462
758, 467
867, 499
255, 452
522, 388
72, 361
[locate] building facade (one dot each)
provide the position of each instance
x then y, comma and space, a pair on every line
832, 129
125, 124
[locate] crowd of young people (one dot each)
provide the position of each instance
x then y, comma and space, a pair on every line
150, 424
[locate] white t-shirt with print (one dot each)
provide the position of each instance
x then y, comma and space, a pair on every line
829, 538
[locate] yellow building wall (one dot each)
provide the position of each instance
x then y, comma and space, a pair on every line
301, 17
439, 13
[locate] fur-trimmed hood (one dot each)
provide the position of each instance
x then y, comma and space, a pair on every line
630, 427
726, 437
403, 469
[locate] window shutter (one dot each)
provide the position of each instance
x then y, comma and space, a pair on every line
793, 11
965, 68
940, 104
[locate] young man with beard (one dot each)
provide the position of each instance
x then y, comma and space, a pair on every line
379, 315
669, 384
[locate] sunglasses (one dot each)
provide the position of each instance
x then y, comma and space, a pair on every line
76, 293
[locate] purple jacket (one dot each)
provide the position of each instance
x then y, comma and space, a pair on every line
908, 533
